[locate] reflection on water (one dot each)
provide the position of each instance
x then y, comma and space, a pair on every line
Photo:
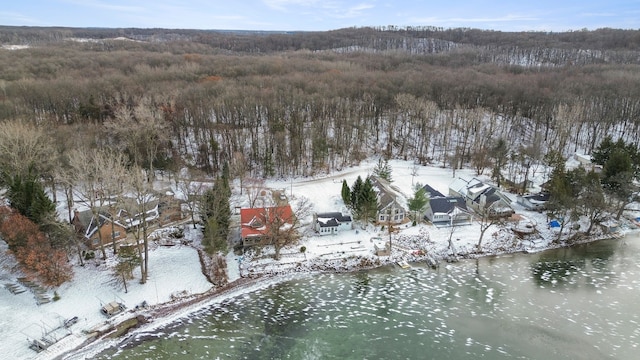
577, 303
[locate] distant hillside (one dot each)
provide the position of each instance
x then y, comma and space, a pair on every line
613, 46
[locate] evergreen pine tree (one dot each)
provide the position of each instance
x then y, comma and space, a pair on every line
621, 166
383, 170
346, 193
418, 202
28, 197
216, 212
499, 153
355, 191
367, 203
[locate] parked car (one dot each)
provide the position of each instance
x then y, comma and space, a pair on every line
69, 322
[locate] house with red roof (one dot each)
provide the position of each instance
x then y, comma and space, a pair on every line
258, 223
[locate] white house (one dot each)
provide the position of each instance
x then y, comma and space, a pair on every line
331, 223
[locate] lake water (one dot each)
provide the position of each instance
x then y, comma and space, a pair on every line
579, 303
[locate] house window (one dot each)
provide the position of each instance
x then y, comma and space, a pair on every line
115, 234
382, 217
95, 241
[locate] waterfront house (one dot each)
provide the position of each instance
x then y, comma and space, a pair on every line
331, 223
391, 202
96, 229
257, 223
448, 210
481, 197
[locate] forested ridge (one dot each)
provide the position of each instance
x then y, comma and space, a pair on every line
303, 103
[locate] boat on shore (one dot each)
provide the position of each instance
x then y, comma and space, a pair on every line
403, 264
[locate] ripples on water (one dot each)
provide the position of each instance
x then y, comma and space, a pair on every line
565, 304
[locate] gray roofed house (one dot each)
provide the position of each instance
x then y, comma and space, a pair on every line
391, 202
447, 210
331, 223
482, 197
131, 216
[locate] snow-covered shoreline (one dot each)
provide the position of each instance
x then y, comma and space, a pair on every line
165, 314
177, 288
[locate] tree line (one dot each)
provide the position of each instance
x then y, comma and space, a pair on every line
374, 37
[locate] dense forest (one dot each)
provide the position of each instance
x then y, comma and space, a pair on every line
280, 104
298, 103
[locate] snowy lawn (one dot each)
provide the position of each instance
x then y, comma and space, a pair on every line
173, 272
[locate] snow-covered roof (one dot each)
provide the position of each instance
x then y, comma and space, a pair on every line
328, 222
459, 185
388, 195
583, 158
254, 220
539, 198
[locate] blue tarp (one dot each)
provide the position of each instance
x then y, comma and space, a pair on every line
554, 223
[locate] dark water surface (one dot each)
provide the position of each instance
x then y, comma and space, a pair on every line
579, 303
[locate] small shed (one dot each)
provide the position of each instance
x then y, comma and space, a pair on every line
112, 308
381, 247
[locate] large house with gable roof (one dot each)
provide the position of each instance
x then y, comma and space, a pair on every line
481, 197
256, 222
445, 210
94, 229
391, 202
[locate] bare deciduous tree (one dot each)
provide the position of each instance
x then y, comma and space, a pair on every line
192, 189
255, 189
143, 130
96, 175
141, 191
239, 168
25, 149
283, 225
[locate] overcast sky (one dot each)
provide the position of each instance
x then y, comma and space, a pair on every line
505, 15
